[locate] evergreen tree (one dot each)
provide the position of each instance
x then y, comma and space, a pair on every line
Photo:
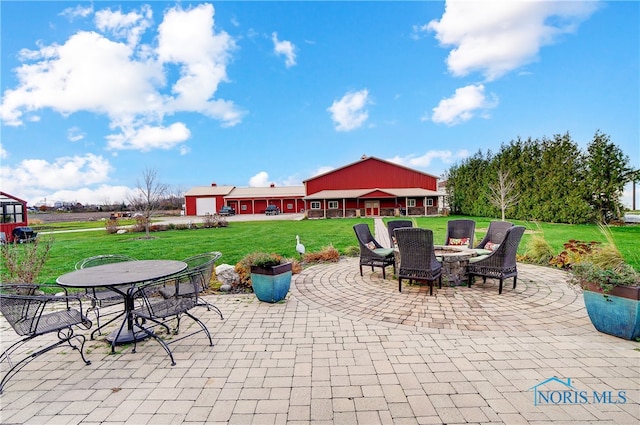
607, 172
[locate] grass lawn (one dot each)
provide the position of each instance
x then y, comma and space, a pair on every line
241, 238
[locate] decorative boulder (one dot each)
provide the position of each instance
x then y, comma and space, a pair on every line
227, 276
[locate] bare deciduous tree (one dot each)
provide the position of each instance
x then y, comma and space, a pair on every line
502, 193
147, 196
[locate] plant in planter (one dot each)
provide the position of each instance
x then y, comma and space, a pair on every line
270, 277
611, 290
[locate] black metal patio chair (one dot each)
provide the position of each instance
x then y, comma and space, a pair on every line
460, 233
501, 263
371, 252
417, 257
165, 300
204, 263
396, 224
495, 234
102, 297
31, 315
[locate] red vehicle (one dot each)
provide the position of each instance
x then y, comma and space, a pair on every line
13, 215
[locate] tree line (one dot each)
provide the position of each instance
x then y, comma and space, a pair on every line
549, 180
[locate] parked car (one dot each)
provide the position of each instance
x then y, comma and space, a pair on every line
226, 210
272, 210
24, 234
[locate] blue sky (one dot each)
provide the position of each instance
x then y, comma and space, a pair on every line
253, 93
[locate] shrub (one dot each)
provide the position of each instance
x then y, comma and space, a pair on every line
574, 252
22, 263
352, 251
539, 251
111, 226
328, 254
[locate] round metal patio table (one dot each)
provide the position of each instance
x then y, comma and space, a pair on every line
122, 278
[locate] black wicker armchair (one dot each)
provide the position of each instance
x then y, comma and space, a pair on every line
495, 234
31, 315
204, 264
396, 224
460, 232
371, 252
103, 297
501, 263
417, 258
168, 299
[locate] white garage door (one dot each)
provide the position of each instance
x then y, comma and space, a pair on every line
205, 206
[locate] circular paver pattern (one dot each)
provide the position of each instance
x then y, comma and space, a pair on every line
541, 301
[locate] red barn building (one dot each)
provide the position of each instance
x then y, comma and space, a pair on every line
372, 187
368, 187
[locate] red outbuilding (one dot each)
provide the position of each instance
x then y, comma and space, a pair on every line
368, 187
372, 187
14, 214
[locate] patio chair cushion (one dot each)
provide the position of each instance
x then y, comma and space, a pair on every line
383, 251
481, 251
491, 246
458, 241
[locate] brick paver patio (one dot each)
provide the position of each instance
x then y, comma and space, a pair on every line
346, 349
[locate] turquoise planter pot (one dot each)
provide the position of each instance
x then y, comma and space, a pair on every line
614, 315
271, 284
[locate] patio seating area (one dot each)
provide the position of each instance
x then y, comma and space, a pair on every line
347, 349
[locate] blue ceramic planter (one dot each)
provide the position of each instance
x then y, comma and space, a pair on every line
614, 315
271, 284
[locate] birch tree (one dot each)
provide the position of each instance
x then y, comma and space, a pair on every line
502, 193
147, 196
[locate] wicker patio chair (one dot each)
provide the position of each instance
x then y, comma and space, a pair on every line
418, 260
495, 234
499, 264
32, 315
396, 224
205, 264
102, 297
371, 252
460, 232
168, 299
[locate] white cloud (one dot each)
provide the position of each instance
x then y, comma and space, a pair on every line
285, 48
497, 37
463, 105
322, 170
74, 134
147, 137
128, 26
3, 152
349, 112
37, 177
127, 82
425, 160
74, 12
260, 180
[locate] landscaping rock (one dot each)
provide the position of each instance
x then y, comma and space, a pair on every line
227, 275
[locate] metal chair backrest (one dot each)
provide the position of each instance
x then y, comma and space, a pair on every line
204, 263
99, 260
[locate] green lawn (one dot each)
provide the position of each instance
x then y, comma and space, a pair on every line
241, 238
